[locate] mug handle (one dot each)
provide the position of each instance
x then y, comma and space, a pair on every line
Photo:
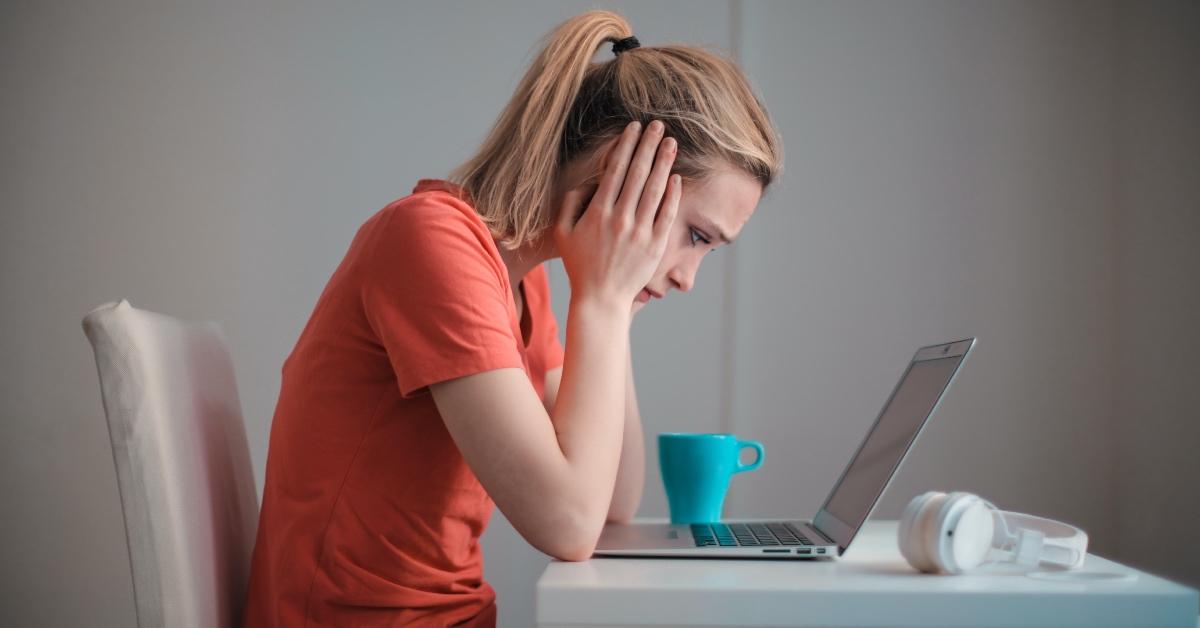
742, 444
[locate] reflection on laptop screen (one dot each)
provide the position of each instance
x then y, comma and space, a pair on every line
881, 452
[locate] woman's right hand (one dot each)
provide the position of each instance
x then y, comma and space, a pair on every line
612, 251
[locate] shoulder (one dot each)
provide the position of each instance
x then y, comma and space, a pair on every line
429, 226
430, 209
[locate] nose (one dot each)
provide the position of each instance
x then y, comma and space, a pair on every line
683, 275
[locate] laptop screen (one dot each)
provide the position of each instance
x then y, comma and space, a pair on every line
881, 452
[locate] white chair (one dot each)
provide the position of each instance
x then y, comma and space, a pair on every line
183, 464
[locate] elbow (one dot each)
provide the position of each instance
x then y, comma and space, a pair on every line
575, 554
572, 548
576, 541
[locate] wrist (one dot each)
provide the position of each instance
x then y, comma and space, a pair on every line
600, 306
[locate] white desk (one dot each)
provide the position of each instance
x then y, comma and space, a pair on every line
870, 586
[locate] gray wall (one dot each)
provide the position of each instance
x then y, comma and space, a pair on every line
1155, 382
1021, 172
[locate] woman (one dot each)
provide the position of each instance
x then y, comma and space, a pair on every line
429, 382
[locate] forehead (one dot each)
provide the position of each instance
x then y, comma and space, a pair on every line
727, 199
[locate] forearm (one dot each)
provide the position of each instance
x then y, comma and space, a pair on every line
631, 474
588, 415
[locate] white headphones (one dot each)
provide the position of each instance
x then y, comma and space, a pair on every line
954, 532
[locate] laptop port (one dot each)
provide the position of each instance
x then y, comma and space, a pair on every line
821, 550
804, 550
775, 551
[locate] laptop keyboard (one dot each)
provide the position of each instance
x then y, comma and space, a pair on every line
747, 534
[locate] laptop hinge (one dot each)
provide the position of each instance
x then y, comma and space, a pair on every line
823, 535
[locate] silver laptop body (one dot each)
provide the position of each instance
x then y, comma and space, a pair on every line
854, 496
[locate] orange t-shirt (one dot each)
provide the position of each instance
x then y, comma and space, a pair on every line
370, 516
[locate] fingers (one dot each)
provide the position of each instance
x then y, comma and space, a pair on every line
652, 193
634, 181
639, 170
670, 207
618, 164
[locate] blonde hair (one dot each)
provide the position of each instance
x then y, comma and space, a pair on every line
565, 106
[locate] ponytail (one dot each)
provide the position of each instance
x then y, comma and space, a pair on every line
565, 106
511, 179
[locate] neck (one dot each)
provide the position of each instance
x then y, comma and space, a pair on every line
521, 260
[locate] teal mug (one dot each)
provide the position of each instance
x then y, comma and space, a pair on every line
696, 469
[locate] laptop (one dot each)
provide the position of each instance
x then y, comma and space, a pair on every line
854, 496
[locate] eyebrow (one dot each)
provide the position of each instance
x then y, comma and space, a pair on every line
708, 226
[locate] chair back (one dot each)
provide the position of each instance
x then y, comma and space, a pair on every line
183, 464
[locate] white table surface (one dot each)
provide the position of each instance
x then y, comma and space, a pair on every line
871, 585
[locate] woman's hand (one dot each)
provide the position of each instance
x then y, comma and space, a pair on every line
612, 251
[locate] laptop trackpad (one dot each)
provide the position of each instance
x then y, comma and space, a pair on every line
645, 536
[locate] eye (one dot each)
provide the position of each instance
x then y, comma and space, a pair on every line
695, 236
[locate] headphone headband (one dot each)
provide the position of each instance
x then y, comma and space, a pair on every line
955, 532
1062, 544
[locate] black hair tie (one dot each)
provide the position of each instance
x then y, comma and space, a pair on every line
629, 43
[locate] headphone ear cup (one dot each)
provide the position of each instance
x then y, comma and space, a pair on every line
973, 529
930, 528
904, 533
912, 524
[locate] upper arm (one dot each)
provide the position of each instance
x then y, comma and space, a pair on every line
432, 293
508, 440
553, 379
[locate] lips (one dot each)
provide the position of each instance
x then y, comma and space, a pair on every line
645, 295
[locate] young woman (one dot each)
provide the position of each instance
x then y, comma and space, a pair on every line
429, 382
